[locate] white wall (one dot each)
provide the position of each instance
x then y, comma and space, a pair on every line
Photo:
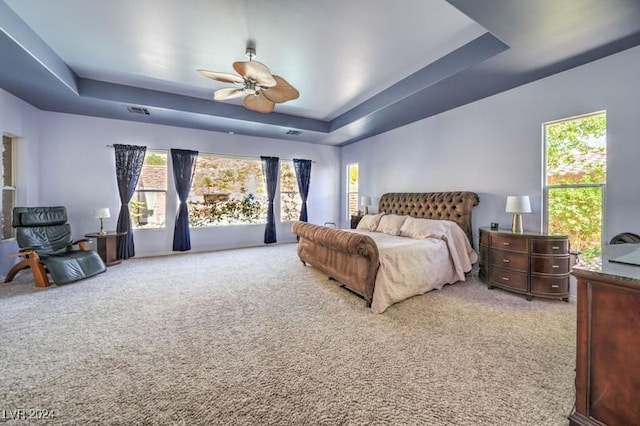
20, 121
494, 146
80, 174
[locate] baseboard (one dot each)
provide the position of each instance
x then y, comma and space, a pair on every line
209, 250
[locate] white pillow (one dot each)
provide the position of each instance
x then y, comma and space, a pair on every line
392, 231
391, 224
369, 222
415, 227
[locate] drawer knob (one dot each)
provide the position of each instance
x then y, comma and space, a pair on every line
555, 266
555, 248
505, 260
505, 279
555, 286
506, 244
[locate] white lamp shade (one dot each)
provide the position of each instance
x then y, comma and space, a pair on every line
518, 204
101, 213
365, 201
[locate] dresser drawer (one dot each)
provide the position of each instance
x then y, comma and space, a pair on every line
550, 264
504, 277
549, 286
509, 242
511, 260
547, 246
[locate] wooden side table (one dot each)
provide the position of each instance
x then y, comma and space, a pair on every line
355, 219
107, 246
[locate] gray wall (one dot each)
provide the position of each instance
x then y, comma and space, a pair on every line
84, 176
20, 120
494, 146
63, 159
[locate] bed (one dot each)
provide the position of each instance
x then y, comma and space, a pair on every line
416, 242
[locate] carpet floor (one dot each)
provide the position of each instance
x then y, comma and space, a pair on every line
252, 336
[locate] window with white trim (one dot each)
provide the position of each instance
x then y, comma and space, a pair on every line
148, 206
290, 201
352, 189
227, 191
575, 178
8, 187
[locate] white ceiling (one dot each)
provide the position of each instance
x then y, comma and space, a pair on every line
337, 53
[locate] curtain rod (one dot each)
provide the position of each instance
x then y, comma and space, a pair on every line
220, 154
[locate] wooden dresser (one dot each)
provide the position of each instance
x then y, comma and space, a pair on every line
608, 343
532, 264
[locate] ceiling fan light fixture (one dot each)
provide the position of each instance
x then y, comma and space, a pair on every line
250, 87
250, 53
253, 81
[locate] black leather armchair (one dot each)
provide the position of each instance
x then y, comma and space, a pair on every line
44, 238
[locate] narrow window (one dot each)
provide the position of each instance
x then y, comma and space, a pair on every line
227, 191
8, 187
148, 206
352, 190
290, 201
575, 178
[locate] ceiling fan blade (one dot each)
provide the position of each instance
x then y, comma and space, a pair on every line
281, 92
228, 93
222, 76
259, 103
256, 71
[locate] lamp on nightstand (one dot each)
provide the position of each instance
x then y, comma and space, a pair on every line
518, 204
365, 202
102, 214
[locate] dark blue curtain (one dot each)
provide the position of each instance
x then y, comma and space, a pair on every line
184, 165
303, 175
129, 159
270, 168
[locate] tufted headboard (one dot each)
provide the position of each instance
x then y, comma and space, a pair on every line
453, 206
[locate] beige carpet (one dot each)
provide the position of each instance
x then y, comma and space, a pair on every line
252, 337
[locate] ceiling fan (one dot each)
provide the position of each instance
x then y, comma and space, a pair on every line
261, 89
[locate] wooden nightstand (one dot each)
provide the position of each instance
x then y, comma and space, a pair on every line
532, 264
355, 219
106, 246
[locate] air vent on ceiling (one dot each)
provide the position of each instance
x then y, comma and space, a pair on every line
138, 110
294, 132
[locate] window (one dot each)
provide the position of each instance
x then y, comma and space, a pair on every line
227, 191
575, 177
290, 201
148, 206
8, 188
352, 190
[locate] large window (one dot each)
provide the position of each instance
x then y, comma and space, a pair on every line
8, 187
227, 191
352, 190
148, 206
290, 201
575, 177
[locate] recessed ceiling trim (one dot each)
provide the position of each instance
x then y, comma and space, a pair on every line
476, 51
133, 95
15, 28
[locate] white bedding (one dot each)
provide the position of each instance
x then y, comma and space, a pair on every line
410, 266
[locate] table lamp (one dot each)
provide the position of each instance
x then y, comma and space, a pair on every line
365, 202
102, 214
518, 204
